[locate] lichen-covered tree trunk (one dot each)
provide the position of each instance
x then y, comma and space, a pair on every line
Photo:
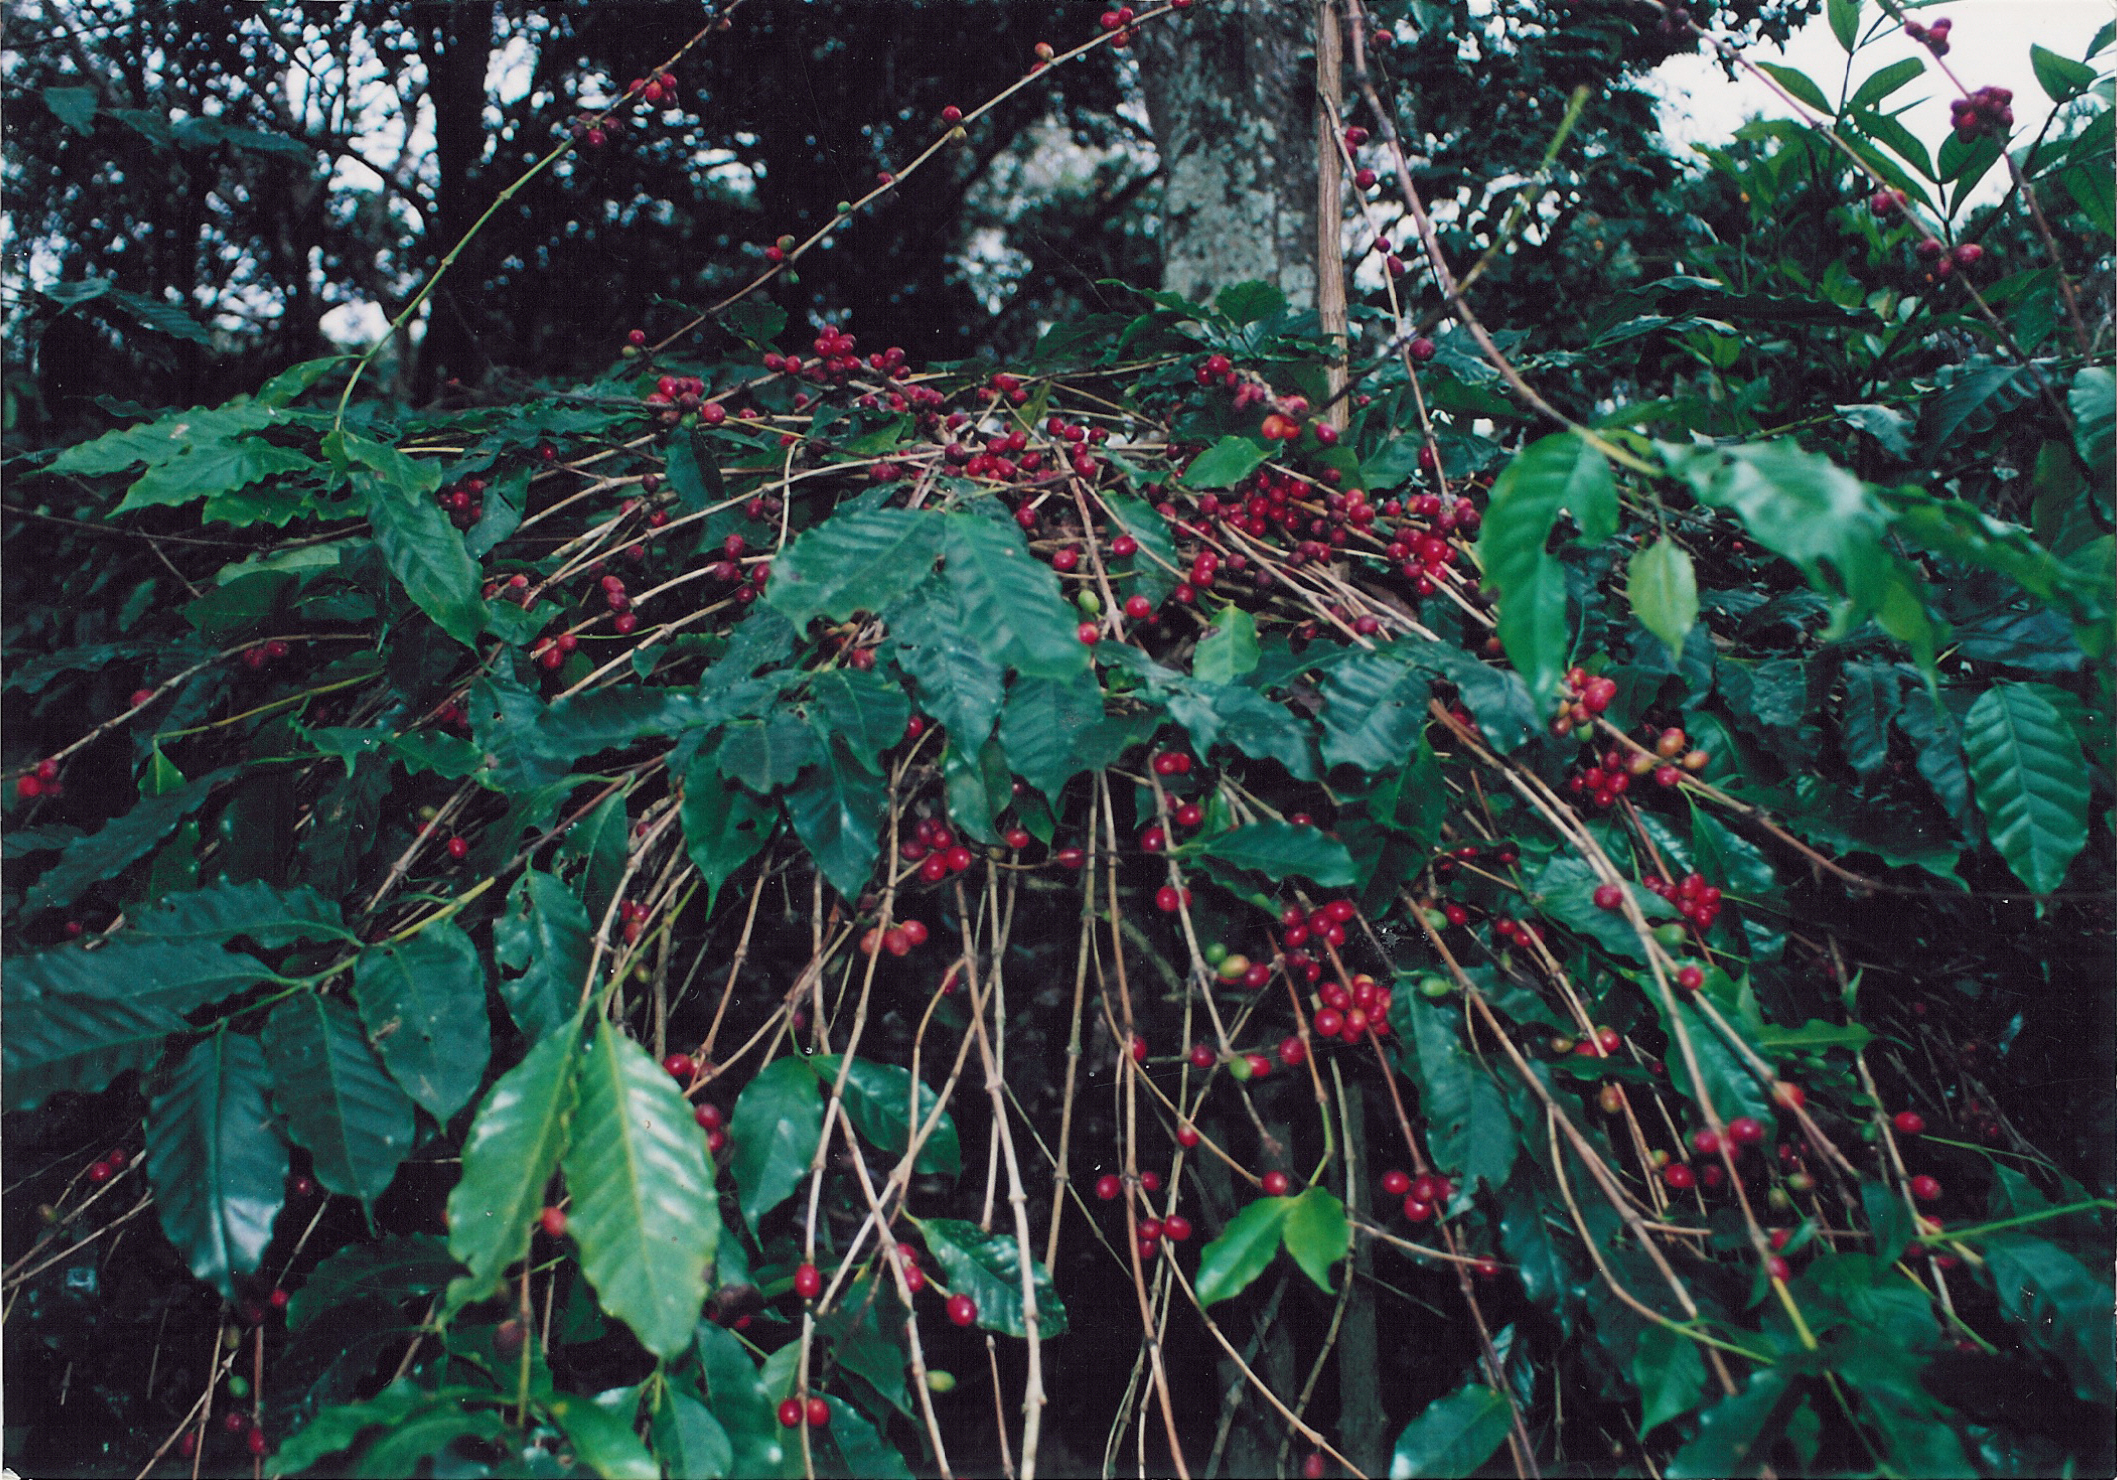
1230, 93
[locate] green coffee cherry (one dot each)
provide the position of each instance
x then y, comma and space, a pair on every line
938, 1381
1215, 953
1088, 601
1435, 986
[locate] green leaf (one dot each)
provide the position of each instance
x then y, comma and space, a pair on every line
215, 1158
1731, 1432
1972, 402
2061, 78
60, 1041
863, 1451
1498, 700
1038, 727
508, 1157
1246, 303
1885, 82
778, 1120
988, 1268
2061, 1305
1662, 587
768, 752
1558, 473
593, 851
1282, 850
644, 1211
1454, 1436
394, 1269
689, 1440
2031, 780
1670, 1375
271, 917
2093, 401
119, 843
1873, 693
423, 1001
723, 826
341, 1104
1153, 568
1733, 1089
1565, 890
1797, 82
73, 106
1316, 1234
958, 684
866, 710
339, 1427
1010, 601
1226, 463
836, 810
602, 1440
1229, 650
858, 560
1845, 25
1231, 1263
1374, 710
742, 1404
545, 935
878, 1098
694, 473
425, 553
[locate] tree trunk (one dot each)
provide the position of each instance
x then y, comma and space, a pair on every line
456, 44
1230, 96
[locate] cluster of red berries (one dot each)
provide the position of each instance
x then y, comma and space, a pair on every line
1695, 900
464, 502
1364, 178
1934, 37
1941, 259
1350, 1013
1989, 110
1446, 866
814, 1410
41, 782
714, 1122
1603, 779
263, 654
235, 1421
1888, 202
674, 395
550, 653
1583, 699
659, 88
1509, 931
634, 916
514, 589
934, 846
1427, 560
898, 940
107, 1166
1423, 1194
1119, 21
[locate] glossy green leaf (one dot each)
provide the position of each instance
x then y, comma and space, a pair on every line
1798, 84
1280, 850
60, 1042
2060, 77
402, 1267
1010, 601
509, 1155
1662, 587
743, 1405
859, 560
2031, 781
766, 752
1557, 474
1316, 1233
644, 1212
1374, 709
1733, 1431
724, 827
1153, 569
1039, 726
777, 1122
423, 1001
602, 1440
2060, 1305
2092, 399
545, 935
1670, 1375
865, 709
1733, 1090
958, 685
271, 917
341, 1104
338, 1428
836, 810
1231, 1263
1886, 81
862, 1452
988, 1268
215, 1158
878, 1097
1844, 16
1226, 463
689, 1440
73, 106
1564, 889
1454, 1436
426, 554
120, 843
593, 851
177, 975
1229, 650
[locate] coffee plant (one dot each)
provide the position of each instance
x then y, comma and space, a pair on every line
1188, 903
